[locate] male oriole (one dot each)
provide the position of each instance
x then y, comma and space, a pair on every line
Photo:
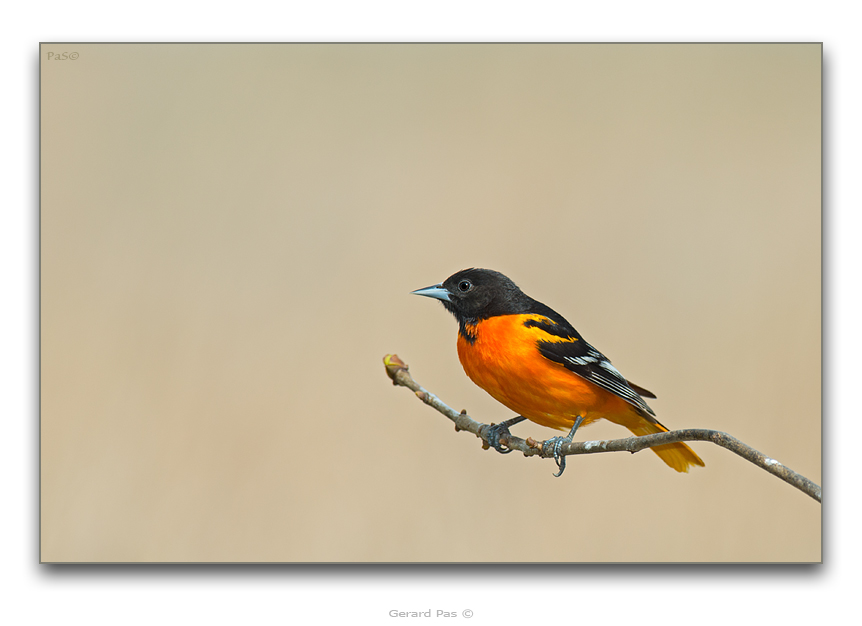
528, 357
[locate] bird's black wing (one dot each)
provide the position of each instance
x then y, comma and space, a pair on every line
576, 355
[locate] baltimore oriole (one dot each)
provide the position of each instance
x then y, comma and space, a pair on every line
529, 358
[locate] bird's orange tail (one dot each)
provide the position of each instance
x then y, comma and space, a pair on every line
677, 455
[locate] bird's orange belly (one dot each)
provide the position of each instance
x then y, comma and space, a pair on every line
504, 361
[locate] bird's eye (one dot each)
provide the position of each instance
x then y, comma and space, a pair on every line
464, 286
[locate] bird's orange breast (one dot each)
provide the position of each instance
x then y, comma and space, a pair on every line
504, 360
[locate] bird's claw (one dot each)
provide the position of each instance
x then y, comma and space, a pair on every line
557, 445
558, 442
496, 432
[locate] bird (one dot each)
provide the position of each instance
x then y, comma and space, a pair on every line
534, 362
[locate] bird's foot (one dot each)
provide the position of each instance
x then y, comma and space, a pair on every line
496, 432
556, 444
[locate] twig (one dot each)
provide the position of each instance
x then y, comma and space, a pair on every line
398, 372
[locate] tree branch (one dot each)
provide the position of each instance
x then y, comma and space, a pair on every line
398, 372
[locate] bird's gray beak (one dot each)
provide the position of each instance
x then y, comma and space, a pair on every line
434, 291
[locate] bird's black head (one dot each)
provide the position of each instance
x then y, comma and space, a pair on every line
476, 294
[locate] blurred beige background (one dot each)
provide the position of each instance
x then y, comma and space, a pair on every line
230, 234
